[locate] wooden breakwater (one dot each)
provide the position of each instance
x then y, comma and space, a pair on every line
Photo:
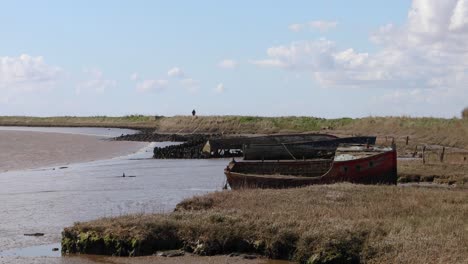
225, 146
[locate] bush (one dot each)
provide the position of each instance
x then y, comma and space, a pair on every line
465, 113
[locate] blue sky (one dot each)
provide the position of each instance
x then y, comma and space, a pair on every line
313, 58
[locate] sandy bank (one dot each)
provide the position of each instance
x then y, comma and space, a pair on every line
27, 150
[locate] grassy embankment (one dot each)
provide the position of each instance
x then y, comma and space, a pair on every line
130, 121
340, 223
448, 132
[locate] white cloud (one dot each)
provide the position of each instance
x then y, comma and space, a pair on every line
27, 73
300, 55
175, 72
219, 88
151, 85
321, 25
134, 76
227, 64
96, 82
428, 54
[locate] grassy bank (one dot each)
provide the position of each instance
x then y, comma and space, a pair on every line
130, 121
447, 132
317, 224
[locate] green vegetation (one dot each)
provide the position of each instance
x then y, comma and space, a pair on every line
129, 121
340, 223
440, 131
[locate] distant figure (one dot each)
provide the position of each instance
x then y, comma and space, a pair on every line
193, 112
123, 175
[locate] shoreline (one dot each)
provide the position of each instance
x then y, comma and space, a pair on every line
227, 222
34, 150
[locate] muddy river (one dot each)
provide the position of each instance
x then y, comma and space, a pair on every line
45, 200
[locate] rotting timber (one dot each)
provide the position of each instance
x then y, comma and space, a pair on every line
234, 146
190, 149
362, 164
301, 150
215, 146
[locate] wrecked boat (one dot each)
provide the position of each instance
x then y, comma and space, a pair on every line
362, 164
233, 147
300, 150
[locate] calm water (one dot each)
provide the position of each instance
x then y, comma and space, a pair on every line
48, 199
89, 131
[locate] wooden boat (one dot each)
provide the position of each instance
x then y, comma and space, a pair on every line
355, 163
229, 147
301, 150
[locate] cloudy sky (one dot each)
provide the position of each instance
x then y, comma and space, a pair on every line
313, 58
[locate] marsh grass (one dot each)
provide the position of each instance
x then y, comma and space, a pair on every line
447, 132
341, 223
436, 172
129, 121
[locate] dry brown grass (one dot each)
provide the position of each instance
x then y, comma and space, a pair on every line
437, 131
447, 132
343, 222
436, 172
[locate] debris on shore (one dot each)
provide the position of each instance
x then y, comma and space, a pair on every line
34, 234
191, 149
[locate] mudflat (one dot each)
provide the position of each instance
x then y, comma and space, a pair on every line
26, 150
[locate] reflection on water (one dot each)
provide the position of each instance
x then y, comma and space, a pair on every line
90, 131
47, 200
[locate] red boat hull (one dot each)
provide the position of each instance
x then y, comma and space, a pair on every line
377, 169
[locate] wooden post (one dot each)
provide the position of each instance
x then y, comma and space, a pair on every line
407, 140
424, 155
442, 155
415, 151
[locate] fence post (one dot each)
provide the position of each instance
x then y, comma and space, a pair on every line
424, 155
407, 140
442, 155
